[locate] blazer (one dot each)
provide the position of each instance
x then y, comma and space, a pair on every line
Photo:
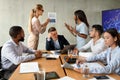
62, 41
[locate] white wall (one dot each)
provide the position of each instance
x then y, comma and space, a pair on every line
16, 12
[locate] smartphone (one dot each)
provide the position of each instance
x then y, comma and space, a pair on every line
101, 77
49, 58
51, 75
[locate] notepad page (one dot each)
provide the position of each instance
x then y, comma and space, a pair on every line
86, 54
29, 67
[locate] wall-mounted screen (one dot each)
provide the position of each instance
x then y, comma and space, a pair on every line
111, 19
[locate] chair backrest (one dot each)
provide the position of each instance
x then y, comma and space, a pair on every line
1, 70
0, 57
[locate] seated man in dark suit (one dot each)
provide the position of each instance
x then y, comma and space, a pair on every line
55, 41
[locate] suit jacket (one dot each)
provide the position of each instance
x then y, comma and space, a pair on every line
61, 39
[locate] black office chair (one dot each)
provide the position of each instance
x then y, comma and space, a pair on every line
1, 70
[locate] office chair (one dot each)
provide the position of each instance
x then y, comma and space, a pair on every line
1, 70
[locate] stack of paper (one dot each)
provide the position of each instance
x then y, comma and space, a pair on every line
44, 55
86, 54
29, 67
52, 56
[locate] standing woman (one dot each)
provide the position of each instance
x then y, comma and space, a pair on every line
35, 27
81, 29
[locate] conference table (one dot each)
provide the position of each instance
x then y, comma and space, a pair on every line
53, 65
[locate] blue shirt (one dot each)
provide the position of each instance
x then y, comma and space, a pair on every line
11, 54
57, 45
81, 28
112, 58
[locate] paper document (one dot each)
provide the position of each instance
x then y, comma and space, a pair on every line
29, 67
67, 65
52, 56
86, 54
52, 17
66, 78
44, 55
56, 52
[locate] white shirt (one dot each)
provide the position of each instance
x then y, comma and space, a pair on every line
11, 54
96, 48
81, 28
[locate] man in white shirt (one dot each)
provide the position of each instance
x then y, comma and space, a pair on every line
11, 54
96, 44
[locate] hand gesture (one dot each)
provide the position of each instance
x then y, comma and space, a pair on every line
48, 20
75, 51
38, 54
74, 30
49, 35
80, 60
68, 27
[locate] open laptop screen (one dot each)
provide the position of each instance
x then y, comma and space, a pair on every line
68, 47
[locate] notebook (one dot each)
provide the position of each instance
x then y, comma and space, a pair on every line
29, 67
86, 54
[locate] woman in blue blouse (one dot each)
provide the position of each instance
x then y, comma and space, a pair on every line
112, 55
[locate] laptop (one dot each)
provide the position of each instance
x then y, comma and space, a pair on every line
67, 47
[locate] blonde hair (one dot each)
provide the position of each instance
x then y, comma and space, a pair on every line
32, 14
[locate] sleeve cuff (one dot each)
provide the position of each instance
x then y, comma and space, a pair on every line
81, 49
48, 39
88, 59
33, 56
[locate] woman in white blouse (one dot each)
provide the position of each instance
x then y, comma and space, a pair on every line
81, 28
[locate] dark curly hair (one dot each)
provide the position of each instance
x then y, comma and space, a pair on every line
14, 31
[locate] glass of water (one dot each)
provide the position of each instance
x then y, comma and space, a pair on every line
42, 74
70, 53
